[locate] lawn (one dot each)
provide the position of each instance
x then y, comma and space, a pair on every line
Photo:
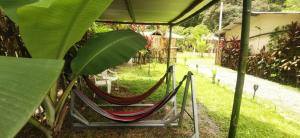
257, 119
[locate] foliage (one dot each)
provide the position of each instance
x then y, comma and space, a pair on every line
187, 41
100, 28
232, 10
280, 62
230, 53
259, 64
285, 49
49, 29
24, 84
93, 59
199, 31
196, 37
292, 5
201, 46
180, 43
267, 5
62, 30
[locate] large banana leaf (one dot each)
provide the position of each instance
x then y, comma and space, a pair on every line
107, 50
11, 6
51, 27
23, 85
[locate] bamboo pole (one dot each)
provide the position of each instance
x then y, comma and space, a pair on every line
241, 69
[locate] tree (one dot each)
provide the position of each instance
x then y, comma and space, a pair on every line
292, 5
201, 46
197, 34
233, 10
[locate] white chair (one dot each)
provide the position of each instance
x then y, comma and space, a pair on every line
106, 78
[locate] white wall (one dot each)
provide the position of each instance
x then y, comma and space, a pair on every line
267, 23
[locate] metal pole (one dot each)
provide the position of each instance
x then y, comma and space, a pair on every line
174, 87
168, 59
221, 16
241, 69
185, 95
194, 108
169, 46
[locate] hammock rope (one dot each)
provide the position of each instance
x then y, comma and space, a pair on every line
131, 116
124, 100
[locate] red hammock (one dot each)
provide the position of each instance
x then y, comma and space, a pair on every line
123, 100
131, 116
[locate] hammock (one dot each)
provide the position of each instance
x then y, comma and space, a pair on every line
131, 116
123, 100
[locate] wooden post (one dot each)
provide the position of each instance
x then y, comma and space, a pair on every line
241, 69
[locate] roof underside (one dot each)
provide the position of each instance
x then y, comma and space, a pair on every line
154, 11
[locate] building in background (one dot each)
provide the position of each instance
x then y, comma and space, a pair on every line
262, 24
159, 44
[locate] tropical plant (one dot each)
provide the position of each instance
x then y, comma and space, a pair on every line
292, 5
233, 10
100, 28
285, 49
49, 29
201, 46
197, 34
230, 53
259, 64
278, 62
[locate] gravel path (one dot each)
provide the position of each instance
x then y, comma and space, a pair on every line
282, 96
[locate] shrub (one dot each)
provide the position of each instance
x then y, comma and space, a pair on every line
285, 49
230, 53
280, 63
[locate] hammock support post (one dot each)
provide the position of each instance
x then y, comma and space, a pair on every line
185, 95
195, 108
168, 58
169, 120
174, 87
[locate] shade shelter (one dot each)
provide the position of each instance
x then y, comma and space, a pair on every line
174, 12
154, 12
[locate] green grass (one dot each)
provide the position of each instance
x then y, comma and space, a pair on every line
257, 119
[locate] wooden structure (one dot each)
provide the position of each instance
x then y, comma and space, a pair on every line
159, 45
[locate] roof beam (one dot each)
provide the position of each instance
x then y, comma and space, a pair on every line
189, 8
130, 10
122, 22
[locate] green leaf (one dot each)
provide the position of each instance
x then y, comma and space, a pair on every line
23, 85
15, 3
11, 6
106, 50
58, 26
